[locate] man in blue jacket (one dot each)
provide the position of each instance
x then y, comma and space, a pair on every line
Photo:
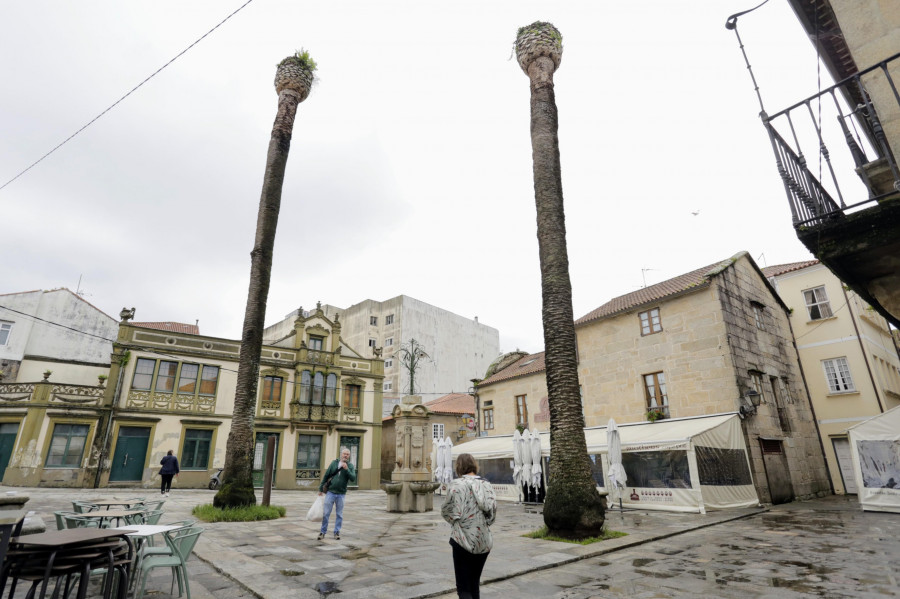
339, 474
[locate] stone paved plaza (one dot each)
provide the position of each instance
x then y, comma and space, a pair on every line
822, 548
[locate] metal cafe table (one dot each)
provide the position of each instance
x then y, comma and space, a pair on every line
103, 515
62, 554
126, 504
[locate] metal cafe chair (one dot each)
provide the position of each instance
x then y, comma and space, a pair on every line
78, 521
149, 549
181, 543
82, 507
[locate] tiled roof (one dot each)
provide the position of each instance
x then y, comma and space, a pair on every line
454, 403
528, 365
172, 327
690, 281
780, 269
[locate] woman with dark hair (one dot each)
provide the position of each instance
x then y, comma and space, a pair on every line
169, 469
470, 508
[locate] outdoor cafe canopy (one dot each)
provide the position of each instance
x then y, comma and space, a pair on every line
680, 464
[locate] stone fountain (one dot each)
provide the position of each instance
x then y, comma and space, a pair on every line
411, 488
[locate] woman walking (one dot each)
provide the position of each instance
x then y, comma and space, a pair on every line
470, 508
168, 470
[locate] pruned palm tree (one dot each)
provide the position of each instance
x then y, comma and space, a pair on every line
572, 507
293, 80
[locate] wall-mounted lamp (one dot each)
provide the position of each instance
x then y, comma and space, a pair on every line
752, 400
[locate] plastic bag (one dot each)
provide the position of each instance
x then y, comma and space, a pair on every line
317, 510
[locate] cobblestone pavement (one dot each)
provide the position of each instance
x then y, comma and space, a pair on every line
825, 547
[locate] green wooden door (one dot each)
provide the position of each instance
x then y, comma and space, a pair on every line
130, 454
259, 457
8, 432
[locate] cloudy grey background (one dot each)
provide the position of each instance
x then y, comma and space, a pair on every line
410, 168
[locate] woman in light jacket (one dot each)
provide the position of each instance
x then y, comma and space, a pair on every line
470, 508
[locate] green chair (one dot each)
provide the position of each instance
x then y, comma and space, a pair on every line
181, 543
155, 505
149, 549
77, 521
83, 507
61, 520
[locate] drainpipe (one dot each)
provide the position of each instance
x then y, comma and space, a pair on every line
104, 449
862, 348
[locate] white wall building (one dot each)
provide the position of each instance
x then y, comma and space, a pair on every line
460, 348
848, 355
30, 344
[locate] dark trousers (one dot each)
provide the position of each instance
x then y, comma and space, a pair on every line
467, 567
166, 483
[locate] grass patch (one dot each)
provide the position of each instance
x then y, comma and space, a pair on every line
542, 533
247, 513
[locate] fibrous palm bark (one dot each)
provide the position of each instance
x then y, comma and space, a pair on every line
572, 507
293, 80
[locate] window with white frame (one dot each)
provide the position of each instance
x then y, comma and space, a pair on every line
389, 342
388, 363
388, 386
389, 319
373, 320
837, 373
5, 330
488, 418
437, 431
372, 342
817, 303
650, 322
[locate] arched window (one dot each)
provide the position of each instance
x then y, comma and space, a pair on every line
318, 389
305, 387
330, 390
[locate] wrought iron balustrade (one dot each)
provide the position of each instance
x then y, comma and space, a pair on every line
843, 114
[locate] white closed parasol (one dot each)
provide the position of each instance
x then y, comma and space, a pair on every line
437, 450
448, 460
617, 475
517, 461
535, 459
526, 457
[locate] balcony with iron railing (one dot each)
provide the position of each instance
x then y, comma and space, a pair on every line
844, 114
836, 154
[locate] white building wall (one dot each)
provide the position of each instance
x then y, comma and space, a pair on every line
461, 348
75, 356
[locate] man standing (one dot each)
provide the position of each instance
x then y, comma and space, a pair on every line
334, 487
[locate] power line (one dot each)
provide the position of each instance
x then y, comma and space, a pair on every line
157, 352
134, 89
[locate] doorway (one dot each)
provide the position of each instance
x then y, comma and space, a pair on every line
8, 432
131, 454
778, 476
352, 443
845, 464
261, 449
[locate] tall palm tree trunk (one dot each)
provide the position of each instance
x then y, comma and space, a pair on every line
293, 80
572, 506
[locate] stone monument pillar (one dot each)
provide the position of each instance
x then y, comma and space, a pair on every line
411, 488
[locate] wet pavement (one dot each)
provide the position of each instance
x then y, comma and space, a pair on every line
825, 548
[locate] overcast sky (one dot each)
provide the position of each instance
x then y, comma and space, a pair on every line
410, 166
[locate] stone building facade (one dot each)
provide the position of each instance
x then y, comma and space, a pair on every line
175, 390
714, 340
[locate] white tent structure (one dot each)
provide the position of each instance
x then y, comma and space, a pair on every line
681, 464
875, 451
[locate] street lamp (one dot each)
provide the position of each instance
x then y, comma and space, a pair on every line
752, 399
